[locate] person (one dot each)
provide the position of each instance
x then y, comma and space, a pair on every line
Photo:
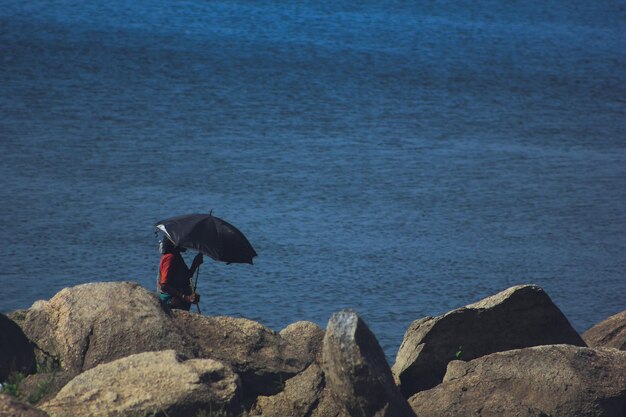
174, 283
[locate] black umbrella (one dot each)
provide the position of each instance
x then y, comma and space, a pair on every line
209, 235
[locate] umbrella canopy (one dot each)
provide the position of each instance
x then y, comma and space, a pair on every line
209, 235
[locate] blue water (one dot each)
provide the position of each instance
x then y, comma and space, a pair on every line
399, 158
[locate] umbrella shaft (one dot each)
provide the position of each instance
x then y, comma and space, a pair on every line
195, 285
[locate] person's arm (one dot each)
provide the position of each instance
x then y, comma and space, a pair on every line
197, 261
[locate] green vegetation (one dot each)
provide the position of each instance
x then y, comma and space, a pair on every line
218, 413
200, 413
43, 388
12, 385
49, 366
459, 354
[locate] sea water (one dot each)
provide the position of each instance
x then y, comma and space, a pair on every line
398, 158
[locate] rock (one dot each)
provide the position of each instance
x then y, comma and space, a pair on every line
554, 381
304, 395
610, 333
330, 406
299, 397
261, 357
356, 369
146, 383
519, 317
306, 337
18, 316
11, 407
16, 352
91, 324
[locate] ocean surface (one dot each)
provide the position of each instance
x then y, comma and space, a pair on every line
399, 158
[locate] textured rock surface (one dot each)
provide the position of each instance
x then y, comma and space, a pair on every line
16, 352
356, 369
10, 407
554, 381
519, 317
304, 395
91, 324
149, 382
299, 397
306, 337
262, 358
610, 333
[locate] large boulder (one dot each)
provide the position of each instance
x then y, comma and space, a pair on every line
261, 357
610, 333
356, 369
304, 395
11, 407
90, 324
554, 381
307, 337
16, 351
149, 383
521, 316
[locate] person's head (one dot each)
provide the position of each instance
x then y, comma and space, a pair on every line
166, 245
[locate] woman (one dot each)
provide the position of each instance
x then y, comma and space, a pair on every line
175, 278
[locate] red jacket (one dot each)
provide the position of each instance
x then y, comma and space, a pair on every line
174, 272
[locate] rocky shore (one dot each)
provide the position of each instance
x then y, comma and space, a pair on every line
112, 349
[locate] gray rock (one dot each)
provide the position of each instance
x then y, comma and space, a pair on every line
519, 317
91, 324
299, 397
304, 395
16, 351
261, 357
151, 382
549, 381
610, 333
330, 406
11, 407
356, 369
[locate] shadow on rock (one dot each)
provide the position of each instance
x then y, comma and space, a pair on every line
555, 381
